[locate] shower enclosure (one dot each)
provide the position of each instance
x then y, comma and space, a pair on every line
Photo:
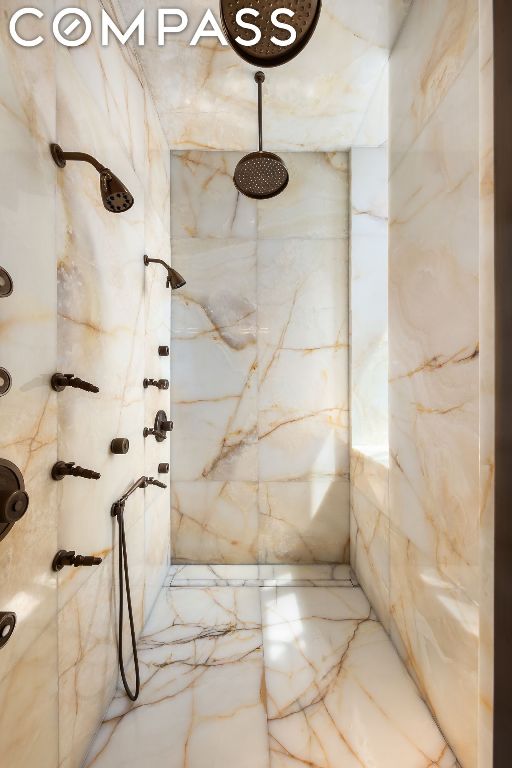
314, 586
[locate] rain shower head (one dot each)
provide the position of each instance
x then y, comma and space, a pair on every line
272, 48
115, 196
174, 279
260, 175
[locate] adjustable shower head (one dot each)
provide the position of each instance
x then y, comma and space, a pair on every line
260, 175
115, 196
174, 279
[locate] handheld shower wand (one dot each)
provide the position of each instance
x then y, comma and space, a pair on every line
115, 196
117, 510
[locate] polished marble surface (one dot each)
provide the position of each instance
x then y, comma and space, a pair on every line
434, 507
318, 101
269, 677
260, 450
83, 303
28, 412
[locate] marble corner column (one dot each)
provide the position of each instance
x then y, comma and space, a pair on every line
435, 577
369, 454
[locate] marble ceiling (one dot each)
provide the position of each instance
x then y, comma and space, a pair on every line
206, 96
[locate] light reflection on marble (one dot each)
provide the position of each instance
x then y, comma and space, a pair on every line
434, 360
202, 694
311, 674
337, 692
369, 522
369, 297
316, 102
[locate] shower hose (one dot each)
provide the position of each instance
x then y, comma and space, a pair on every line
124, 585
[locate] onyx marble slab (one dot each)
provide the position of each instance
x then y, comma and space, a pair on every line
202, 698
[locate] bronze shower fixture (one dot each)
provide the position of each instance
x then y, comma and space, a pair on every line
115, 196
295, 26
260, 175
174, 279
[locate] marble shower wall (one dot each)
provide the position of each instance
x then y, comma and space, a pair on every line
260, 457
28, 412
369, 454
317, 102
84, 303
435, 579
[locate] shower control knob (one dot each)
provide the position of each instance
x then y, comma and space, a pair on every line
60, 381
14, 499
12, 505
160, 383
162, 425
163, 351
120, 445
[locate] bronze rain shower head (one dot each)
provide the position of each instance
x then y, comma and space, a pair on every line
260, 175
115, 196
266, 52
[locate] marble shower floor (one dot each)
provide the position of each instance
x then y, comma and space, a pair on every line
279, 676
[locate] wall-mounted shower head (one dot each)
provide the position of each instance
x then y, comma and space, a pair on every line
174, 279
115, 196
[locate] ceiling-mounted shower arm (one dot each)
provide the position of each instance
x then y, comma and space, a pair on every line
260, 79
174, 279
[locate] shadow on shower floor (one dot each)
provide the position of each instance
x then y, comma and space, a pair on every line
250, 668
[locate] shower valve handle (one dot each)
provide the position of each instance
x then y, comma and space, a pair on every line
160, 383
63, 469
161, 427
60, 381
64, 557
